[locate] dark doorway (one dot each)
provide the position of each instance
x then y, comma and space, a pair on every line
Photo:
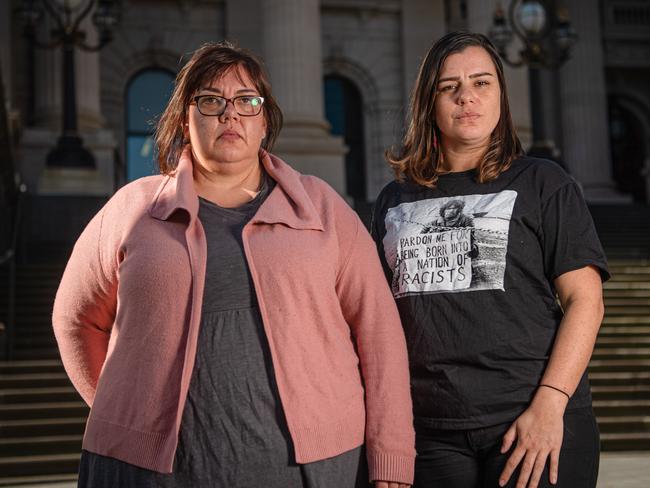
344, 112
627, 140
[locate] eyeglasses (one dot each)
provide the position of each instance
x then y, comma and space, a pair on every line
214, 105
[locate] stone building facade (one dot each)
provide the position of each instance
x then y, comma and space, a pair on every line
342, 71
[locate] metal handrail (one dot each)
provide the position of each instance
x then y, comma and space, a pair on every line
9, 259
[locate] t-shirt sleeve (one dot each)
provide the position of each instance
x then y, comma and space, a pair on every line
569, 236
378, 231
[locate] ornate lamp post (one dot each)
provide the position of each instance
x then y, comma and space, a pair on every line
67, 16
547, 38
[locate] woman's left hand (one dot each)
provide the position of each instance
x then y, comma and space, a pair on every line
390, 484
538, 433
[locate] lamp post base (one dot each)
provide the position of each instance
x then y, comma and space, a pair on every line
70, 153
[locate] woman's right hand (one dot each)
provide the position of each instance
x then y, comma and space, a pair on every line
390, 484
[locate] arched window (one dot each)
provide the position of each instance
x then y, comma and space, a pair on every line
344, 112
147, 95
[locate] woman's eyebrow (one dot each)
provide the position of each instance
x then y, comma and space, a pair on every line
457, 78
218, 91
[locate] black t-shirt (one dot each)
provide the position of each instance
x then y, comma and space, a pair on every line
471, 267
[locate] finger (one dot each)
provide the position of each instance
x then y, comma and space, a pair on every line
511, 464
381, 484
554, 466
526, 469
536, 475
508, 438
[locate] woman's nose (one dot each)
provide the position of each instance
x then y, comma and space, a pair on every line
229, 112
465, 95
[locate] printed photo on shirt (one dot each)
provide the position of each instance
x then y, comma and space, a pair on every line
449, 244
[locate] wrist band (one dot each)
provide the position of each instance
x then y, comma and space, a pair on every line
557, 389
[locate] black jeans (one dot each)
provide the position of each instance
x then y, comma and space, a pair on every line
471, 458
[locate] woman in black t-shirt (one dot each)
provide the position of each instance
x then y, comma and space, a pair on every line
478, 241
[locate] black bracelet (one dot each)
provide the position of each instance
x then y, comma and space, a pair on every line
557, 389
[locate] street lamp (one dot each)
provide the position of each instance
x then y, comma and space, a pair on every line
547, 38
67, 16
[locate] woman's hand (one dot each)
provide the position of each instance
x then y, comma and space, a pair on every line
538, 433
390, 484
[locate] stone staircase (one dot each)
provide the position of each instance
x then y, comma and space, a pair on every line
620, 367
42, 417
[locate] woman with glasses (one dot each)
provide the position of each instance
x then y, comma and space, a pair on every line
477, 240
228, 320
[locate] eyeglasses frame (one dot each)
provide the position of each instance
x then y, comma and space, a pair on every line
228, 100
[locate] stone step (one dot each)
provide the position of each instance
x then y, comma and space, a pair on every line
46, 480
18, 411
642, 269
619, 408
630, 277
33, 395
621, 392
625, 293
625, 285
41, 480
627, 310
600, 365
616, 341
42, 427
624, 302
623, 331
629, 352
44, 464
33, 380
626, 441
641, 320
22, 367
40, 353
638, 423
612, 378
31, 446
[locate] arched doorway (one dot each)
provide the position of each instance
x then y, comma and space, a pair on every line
629, 152
147, 94
344, 112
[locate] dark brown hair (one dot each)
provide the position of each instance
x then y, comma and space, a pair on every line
209, 62
419, 158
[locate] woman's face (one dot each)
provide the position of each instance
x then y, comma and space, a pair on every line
227, 138
468, 101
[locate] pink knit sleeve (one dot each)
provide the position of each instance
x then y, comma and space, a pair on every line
370, 310
84, 310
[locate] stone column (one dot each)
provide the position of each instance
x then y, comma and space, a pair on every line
5, 51
423, 23
583, 100
479, 19
292, 51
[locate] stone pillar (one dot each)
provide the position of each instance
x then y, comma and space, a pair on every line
584, 107
479, 19
423, 22
5, 51
242, 27
292, 51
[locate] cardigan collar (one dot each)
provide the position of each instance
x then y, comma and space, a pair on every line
288, 203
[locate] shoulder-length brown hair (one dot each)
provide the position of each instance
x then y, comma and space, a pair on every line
211, 61
420, 158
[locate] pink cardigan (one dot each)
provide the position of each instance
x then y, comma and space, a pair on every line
127, 315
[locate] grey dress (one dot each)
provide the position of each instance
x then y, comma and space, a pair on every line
233, 431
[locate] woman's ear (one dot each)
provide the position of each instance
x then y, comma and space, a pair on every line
186, 131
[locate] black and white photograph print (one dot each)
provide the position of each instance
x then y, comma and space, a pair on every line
449, 244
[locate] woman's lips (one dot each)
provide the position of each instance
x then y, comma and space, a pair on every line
229, 135
468, 116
